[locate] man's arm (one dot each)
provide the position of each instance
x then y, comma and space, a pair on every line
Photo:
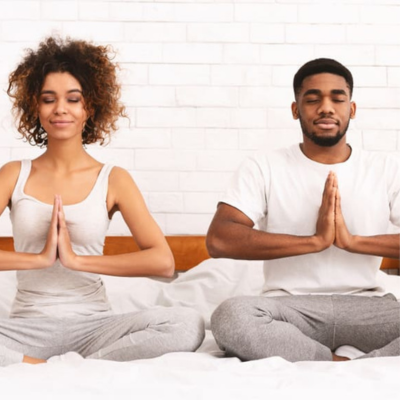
231, 233
379, 245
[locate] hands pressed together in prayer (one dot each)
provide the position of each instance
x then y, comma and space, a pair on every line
58, 243
331, 226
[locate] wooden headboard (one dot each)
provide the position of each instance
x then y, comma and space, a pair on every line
188, 250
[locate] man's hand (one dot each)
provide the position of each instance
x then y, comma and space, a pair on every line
325, 230
343, 239
65, 253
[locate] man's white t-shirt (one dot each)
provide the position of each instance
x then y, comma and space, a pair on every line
281, 192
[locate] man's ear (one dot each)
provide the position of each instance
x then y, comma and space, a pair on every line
295, 111
353, 109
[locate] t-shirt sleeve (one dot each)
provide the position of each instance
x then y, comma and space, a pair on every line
247, 190
394, 191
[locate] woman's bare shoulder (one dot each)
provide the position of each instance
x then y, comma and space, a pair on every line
10, 170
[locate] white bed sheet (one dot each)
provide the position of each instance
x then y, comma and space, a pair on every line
205, 374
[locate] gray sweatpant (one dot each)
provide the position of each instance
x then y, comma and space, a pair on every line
300, 328
124, 337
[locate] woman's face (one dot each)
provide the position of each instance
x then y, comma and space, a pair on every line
61, 109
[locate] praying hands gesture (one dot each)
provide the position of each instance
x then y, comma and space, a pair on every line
58, 243
331, 226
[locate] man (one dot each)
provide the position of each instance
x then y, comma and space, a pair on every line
322, 212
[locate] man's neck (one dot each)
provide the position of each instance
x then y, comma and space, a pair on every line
326, 155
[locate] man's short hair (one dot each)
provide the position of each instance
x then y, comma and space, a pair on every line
319, 66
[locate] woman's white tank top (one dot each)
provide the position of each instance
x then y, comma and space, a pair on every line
58, 291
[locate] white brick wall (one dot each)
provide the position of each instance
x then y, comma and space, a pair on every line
207, 82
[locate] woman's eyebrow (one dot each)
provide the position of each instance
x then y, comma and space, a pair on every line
53, 92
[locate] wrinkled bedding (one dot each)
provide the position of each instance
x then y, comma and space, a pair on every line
207, 373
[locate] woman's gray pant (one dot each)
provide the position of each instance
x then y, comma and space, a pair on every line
309, 327
125, 337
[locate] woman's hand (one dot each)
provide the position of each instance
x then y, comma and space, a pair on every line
65, 252
49, 253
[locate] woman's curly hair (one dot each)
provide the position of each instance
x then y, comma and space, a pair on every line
91, 65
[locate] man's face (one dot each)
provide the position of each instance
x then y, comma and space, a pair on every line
324, 108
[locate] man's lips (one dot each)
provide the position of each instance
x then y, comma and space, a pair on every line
326, 123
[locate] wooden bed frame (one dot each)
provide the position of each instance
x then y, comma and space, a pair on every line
188, 250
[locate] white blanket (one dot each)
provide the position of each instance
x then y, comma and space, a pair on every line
204, 374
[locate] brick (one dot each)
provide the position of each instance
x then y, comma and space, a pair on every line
378, 97
139, 52
165, 202
200, 203
315, 33
203, 181
5, 223
241, 75
219, 33
27, 31
369, 77
192, 53
133, 74
224, 139
59, 10
165, 74
286, 54
123, 158
5, 155
249, 118
189, 224
154, 32
272, 13
265, 97
137, 138
149, 96
156, 181
29, 152
126, 11
388, 55
217, 160
394, 77
318, 14
207, 96
241, 53
385, 140
203, 12
349, 55
94, 10
188, 138
283, 75
373, 34
170, 117
267, 33
267, 139
20, 10
99, 32
377, 119
165, 160
281, 118
214, 117
382, 14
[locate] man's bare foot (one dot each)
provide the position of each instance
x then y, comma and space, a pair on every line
32, 360
339, 358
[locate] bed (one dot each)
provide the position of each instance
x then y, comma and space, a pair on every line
201, 283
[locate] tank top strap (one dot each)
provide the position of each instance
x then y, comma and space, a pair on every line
101, 187
22, 178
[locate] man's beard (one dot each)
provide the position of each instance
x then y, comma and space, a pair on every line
321, 140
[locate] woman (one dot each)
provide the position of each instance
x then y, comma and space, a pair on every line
65, 95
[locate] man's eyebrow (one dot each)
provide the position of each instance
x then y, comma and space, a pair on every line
53, 92
318, 92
